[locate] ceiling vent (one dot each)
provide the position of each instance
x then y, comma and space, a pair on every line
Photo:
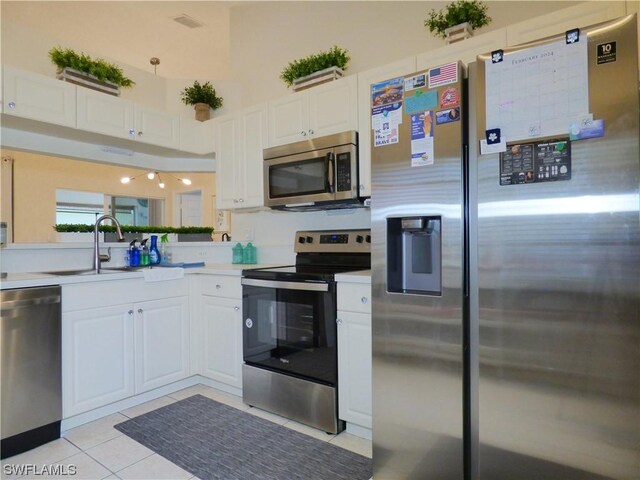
187, 21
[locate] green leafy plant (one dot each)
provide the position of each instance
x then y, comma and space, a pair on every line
334, 57
474, 12
81, 228
204, 93
98, 68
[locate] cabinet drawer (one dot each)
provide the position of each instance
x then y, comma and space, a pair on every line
354, 297
222, 286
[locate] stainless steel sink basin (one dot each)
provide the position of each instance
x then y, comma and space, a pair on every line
91, 271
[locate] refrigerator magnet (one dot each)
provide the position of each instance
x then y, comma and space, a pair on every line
572, 36
449, 98
448, 116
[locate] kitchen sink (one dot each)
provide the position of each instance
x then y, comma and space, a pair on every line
91, 271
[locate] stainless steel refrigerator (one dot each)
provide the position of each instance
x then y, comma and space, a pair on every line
506, 277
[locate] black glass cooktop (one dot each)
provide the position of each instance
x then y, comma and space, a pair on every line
300, 272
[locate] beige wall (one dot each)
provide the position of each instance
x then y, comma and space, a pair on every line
266, 36
36, 178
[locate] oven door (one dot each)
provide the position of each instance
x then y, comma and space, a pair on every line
300, 179
290, 327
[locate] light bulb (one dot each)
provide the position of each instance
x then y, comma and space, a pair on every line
125, 180
151, 175
186, 181
161, 184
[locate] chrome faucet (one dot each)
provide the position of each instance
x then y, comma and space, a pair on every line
226, 237
97, 258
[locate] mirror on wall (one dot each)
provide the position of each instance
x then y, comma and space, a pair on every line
44, 190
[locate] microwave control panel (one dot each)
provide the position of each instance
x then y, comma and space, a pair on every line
343, 172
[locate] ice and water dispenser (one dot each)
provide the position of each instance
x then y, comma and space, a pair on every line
414, 255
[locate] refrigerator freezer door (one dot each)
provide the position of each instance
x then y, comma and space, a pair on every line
559, 287
418, 316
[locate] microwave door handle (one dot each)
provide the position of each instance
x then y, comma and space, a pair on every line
330, 172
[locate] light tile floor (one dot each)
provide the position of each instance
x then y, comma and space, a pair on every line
96, 450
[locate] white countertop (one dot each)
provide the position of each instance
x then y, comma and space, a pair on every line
20, 280
361, 276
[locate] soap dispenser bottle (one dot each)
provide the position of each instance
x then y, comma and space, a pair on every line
144, 254
154, 254
134, 254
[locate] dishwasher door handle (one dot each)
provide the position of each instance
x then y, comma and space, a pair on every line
315, 287
29, 302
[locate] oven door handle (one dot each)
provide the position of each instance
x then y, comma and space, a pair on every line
315, 287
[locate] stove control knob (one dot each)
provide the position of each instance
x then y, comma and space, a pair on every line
368, 238
309, 239
301, 240
359, 239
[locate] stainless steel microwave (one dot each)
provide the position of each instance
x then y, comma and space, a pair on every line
319, 173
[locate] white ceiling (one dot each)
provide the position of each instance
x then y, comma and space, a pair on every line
133, 32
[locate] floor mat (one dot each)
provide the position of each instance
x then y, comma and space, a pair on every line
216, 442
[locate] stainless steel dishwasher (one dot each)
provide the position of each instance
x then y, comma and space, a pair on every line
31, 381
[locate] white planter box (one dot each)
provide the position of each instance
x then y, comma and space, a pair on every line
317, 78
457, 33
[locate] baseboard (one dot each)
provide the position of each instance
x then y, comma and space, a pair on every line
359, 431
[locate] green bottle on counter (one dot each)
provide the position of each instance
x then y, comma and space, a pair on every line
237, 253
249, 255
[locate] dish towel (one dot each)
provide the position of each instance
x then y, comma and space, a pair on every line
161, 274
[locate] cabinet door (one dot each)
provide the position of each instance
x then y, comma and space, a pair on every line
289, 119
157, 128
253, 126
365, 79
97, 357
192, 136
221, 358
354, 367
161, 342
227, 140
333, 107
38, 97
106, 114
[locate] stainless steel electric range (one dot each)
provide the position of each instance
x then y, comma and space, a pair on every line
290, 333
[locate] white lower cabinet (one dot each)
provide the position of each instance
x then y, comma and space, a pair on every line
161, 343
354, 354
222, 330
97, 346
111, 352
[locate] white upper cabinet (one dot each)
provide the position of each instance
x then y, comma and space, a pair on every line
240, 139
101, 113
317, 111
157, 127
333, 107
365, 79
38, 97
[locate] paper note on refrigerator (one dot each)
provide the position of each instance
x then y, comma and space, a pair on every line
422, 139
538, 91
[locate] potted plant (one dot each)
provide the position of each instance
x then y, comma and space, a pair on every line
315, 69
458, 20
81, 69
183, 234
203, 98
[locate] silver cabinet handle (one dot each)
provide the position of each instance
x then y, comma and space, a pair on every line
236, 308
364, 300
218, 286
139, 134
12, 105
311, 132
303, 133
132, 132
130, 312
241, 200
139, 310
235, 200
339, 321
311, 286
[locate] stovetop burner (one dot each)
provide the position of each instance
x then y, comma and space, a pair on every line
321, 255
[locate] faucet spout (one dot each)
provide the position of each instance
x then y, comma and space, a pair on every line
97, 259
